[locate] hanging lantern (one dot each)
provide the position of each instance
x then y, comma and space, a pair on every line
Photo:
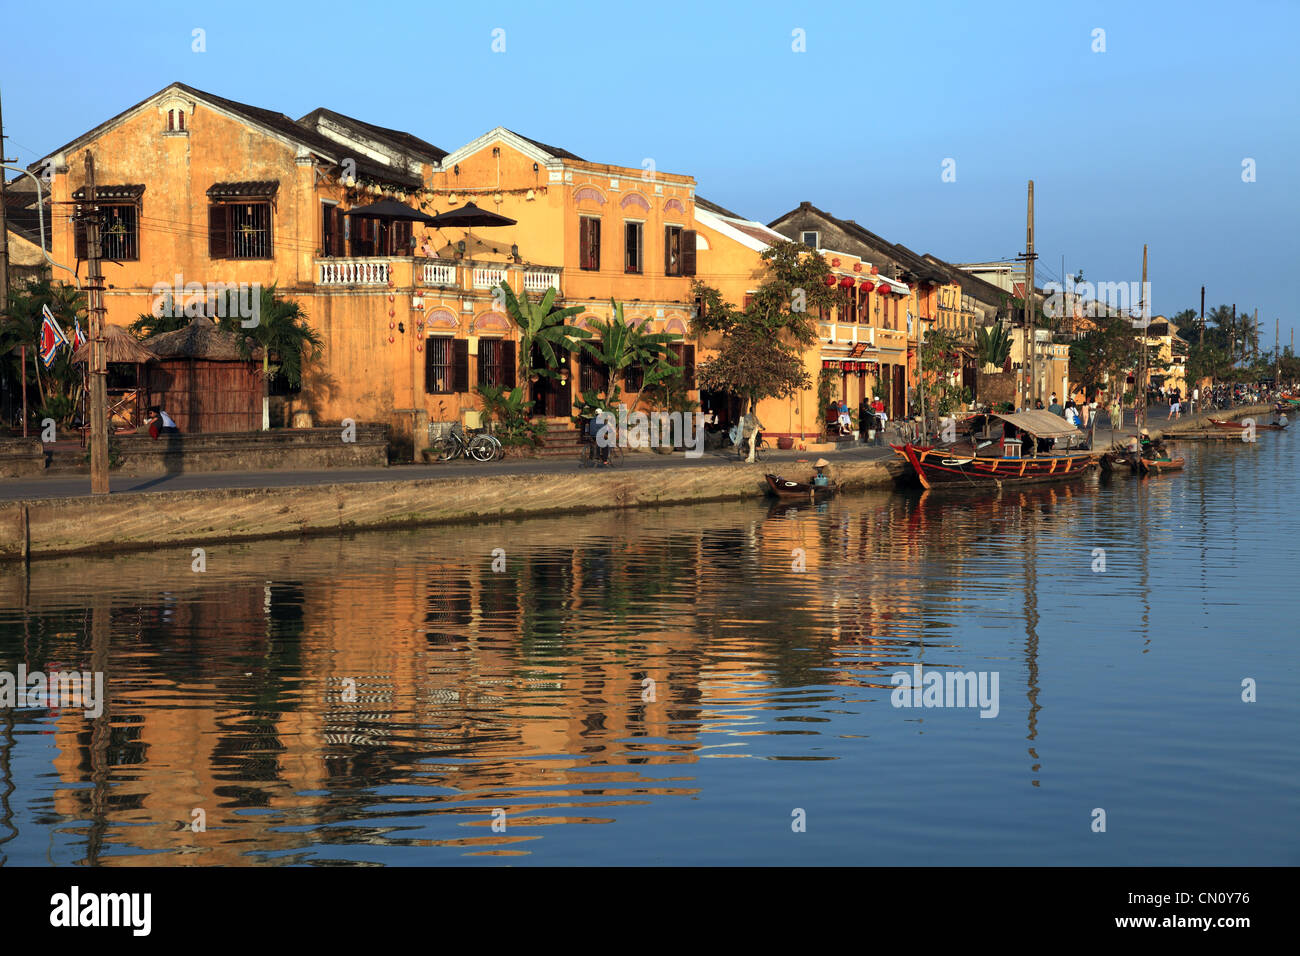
846, 283
531, 196
835, 263
830, 281
867, 285
875, 270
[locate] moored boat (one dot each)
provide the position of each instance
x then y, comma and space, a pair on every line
1118, 462
1238, 426
784, 488
994, 463
1158, 466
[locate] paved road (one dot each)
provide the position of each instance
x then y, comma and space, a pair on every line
72, 485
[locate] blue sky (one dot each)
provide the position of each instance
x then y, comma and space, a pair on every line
1141, 143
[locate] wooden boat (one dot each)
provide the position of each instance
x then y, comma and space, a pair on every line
1118, 462
1158, 466
1238, 426
784, 488
987, 467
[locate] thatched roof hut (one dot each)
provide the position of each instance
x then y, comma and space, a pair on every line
202, 381
119, 346
201, 339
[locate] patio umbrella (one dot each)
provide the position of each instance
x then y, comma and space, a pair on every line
468, 216
390, 209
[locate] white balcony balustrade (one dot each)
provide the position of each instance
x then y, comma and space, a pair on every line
487, 278
353, 272
540, 281
440, 274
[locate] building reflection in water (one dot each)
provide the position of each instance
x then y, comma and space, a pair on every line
394, 689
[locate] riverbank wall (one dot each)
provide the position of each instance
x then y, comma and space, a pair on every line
85, 524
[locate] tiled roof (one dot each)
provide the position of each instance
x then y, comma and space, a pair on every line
396, 137
261, 189
553, 150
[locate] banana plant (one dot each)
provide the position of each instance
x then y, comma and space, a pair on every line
619, 346
543, 326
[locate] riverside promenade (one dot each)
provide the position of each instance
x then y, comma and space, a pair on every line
57, 515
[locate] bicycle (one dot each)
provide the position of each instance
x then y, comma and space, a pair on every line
589, 456
761, 448
481, 447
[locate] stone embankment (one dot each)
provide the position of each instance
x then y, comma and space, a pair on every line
51, 526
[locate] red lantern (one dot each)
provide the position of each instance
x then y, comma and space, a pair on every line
857, 267
867, 285
830, 280
875, 270
846, 283
835, 262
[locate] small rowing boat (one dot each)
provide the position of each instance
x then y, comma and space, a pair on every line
784, 488
1118, 462
1158, 466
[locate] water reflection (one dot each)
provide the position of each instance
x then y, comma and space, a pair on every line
352, 700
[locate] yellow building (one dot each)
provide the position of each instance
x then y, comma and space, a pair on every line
195, 191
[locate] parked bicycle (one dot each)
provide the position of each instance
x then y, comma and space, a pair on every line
480, 446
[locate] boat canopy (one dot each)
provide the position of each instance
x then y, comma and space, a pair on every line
1039, 423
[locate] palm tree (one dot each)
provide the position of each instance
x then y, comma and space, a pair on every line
281, 331
993, 345
541, 325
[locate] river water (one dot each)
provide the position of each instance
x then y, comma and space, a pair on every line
705, 684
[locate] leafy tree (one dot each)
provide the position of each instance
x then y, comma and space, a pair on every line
1104, 354
542, 325
283, 335
58, 388
761, 353
939, 352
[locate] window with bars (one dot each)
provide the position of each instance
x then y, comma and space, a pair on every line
439, 360
633, 376
239, 230
589, 243
496, 362
592, 373
119, 233
633, 246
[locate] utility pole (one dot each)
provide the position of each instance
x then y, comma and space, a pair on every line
1202, 338
1232, 337
1141, 389
4, 229
1028, 257
1254, 347
98, 369
1277, 352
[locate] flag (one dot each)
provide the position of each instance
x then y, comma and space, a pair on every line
79, 338
52, 337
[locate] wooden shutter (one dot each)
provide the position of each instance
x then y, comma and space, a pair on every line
688, 366
218, 232
595, 244
460, 365
509, 361
688, 252
336, 234
584, 242
668, 250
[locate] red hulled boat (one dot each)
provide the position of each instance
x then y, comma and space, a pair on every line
990, 464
